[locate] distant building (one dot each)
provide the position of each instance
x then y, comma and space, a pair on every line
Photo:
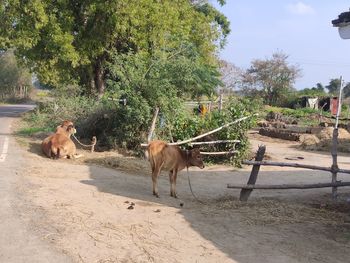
309, 102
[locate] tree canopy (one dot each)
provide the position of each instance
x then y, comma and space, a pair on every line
272, 79
71, 41
334, 86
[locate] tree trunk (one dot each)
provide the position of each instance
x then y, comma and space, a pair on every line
99, 78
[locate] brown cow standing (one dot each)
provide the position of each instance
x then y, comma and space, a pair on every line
171, 158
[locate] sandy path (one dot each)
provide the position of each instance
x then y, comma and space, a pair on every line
82, 209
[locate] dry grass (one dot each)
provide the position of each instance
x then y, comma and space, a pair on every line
271, 211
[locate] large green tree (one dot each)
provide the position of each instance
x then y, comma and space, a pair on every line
70, 41
272, 79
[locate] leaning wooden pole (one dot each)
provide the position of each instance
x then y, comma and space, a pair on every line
153, 126
245, 193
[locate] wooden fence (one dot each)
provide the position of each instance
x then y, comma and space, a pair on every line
334, 169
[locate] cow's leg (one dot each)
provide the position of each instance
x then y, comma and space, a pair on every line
173, 175
171, 178
155, 175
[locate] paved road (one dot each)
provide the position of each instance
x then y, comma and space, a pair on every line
18, 242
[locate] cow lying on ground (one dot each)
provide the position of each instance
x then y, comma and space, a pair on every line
171, 158
60, 144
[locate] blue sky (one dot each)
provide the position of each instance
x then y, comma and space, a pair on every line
301, 29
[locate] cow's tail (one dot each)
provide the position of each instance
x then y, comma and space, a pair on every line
147, 154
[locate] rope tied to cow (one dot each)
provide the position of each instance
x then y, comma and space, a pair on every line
189, 180
92, 145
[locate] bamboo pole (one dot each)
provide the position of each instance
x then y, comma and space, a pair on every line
215, 142
245, 193
287, 186
334, 151
296, 165
219, 153
334, 166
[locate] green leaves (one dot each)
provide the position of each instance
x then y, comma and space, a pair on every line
65, 41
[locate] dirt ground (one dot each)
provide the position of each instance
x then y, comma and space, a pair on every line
81, 208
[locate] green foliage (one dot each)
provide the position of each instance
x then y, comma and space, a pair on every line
118, 125
304, 116
299, 113
161, 80
162, 76
333, 86
12, 76
216, 16
29, 131
313, 92
70, 41
49, 114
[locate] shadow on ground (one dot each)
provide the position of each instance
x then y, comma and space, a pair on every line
301, 223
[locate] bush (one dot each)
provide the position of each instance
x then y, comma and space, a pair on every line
47, 115
117, 125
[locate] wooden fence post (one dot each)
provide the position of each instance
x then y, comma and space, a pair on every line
334, 166
245, 193
334, 150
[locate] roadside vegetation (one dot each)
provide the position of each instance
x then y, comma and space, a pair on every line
108, 65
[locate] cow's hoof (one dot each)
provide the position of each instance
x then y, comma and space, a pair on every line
156, 194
